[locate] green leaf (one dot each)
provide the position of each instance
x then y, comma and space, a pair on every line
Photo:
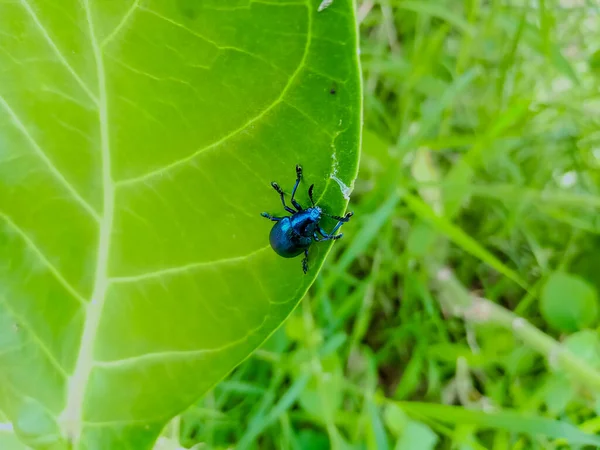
411, 434
438, 10
313, 440
459, 237
323, 394
568, 302
512, 421
395, 419
585, 345
558, 393
376, 436
417, 436
138, 140
8, 440
594, 62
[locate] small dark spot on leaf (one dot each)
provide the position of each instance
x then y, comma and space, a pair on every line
188, 9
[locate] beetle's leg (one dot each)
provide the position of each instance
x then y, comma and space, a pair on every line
316, 238
298, 177
281, 194
330, 236
344, 219
270, 217
337, 227
310, 194
341, 221
305, 261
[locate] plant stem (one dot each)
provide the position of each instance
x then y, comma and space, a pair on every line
456, 299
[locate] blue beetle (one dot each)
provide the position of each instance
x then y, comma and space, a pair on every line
293, 235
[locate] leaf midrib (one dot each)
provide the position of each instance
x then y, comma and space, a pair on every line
72, 416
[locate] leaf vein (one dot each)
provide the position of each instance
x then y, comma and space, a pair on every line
52, 168
172, 271
179, 25
309, 118
253, 2
35, 338
43, 258
72, 415
177, 354
212, 42
124, 20
56, 50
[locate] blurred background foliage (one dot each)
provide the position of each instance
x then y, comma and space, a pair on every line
460, 311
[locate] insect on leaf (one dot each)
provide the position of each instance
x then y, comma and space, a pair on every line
138, 140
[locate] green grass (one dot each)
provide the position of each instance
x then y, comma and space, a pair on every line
479, 180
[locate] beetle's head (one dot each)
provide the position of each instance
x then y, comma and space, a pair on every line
316, 213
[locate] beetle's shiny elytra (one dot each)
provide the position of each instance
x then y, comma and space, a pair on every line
293, 235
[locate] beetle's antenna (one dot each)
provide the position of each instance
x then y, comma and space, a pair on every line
310, 194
